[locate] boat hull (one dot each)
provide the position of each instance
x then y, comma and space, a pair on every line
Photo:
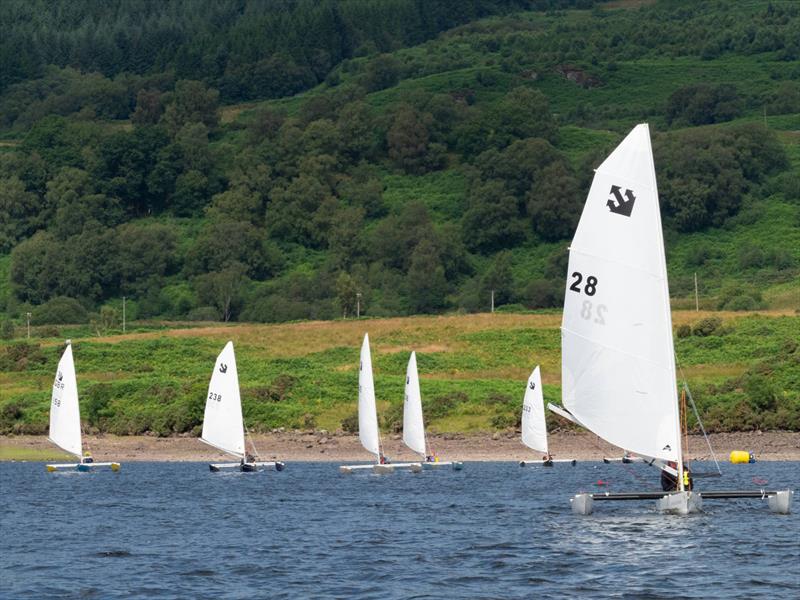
680, 503
83, 467
253, 467
546, 463
454, 464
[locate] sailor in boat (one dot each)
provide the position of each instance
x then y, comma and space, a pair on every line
431, 458
547, 460
669, 482
384, 460
87, 458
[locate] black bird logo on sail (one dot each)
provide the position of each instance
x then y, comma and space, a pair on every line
532, 385
621, 204
60, 376
223, 368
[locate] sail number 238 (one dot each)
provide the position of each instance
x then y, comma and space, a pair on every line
214, 396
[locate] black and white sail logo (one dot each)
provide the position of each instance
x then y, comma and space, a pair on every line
532, 385
621, 204
223, 368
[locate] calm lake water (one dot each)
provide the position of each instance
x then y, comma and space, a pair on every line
493, 530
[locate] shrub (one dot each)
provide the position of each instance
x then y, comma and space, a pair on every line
440, 406
7, 329
707, 326
59, 310
684, 331
350, 423
740, 297
21, 357
761, 394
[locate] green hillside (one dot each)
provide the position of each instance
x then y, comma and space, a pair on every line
424, 162
306, 160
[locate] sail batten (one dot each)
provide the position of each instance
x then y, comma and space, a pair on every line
223, 427
618, 366
413, 422
65, 417
368, 432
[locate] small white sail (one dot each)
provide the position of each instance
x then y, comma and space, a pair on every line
367, 412
413, 424
222, 422
618, 367
65, 416
534, 425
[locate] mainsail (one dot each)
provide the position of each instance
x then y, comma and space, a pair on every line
534, 426
618, 366
413, 425
223, 427
65, 417
367, 413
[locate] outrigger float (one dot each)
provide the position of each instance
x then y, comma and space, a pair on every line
223, 424
534, 424
368, 433
618, 363
65, 419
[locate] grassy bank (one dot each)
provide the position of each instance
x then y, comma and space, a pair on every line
743, 369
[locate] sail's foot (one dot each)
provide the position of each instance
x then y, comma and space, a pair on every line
680, 503
781, 502
582, 504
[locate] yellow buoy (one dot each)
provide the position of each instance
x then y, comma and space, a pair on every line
741, 457
115, 467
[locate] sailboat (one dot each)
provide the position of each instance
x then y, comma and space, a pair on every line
534, 425
413, 424
223, 425
618, 363
368, 432
65, 418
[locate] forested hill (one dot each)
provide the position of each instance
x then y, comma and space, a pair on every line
271, 161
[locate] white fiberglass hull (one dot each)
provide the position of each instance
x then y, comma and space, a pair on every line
680, 503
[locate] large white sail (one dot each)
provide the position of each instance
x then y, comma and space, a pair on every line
534, 425
222, 422
367, 412
413, 424
618, 367
65, 416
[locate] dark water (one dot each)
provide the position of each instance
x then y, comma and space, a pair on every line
494, 530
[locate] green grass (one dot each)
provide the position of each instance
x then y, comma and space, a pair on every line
9, 453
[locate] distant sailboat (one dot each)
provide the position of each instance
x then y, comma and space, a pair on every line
413, 423
534, 425
618, 364
223, 425
65, 417
368, 431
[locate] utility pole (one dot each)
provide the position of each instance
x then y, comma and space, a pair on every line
696, 299
492, 300
29, 325
358, 305
123, 314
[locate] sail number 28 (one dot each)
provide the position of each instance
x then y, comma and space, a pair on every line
589, 288
591, 284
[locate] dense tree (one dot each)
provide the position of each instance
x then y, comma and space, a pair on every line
425, 282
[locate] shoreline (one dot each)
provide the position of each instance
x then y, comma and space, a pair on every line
321, 446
